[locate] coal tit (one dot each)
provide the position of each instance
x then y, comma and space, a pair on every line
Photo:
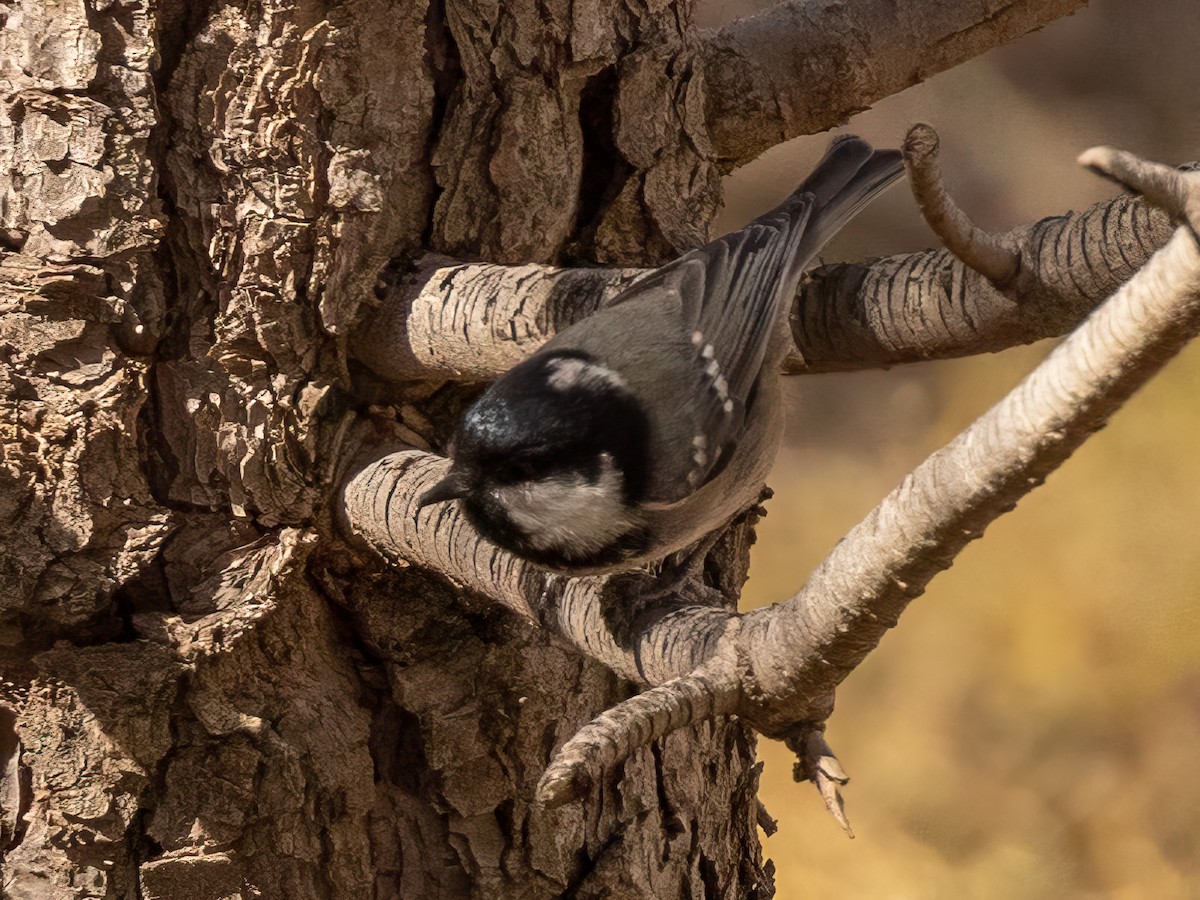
640, 430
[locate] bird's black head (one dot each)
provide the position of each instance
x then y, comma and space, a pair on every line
551, 461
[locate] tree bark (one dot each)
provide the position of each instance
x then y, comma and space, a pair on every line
204, 693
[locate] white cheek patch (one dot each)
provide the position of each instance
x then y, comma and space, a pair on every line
567, 512
568, 372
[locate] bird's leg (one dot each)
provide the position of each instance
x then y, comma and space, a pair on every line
687, 565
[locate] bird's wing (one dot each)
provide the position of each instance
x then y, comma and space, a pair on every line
728, 296
727, 300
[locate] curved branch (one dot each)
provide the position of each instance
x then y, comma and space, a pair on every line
601, 617
1177, 191
861, 588
994, 256
804, 66
612, 737
788, 658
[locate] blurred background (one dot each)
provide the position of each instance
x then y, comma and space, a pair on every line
1032, 728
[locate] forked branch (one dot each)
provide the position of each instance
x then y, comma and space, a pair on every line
474, 321
778, 667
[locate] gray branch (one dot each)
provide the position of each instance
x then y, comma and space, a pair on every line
474, 321
777, 667
592, 613
805, 66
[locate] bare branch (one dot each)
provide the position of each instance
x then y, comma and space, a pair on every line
600, 616
804, 66
686, 649
787, 659
712, 690
861, 588
996, 257
933, 306
1174, 190
816, 762
473, 321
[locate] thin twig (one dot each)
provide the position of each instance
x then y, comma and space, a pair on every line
997, 257
816, 762
613, 736
1174, 190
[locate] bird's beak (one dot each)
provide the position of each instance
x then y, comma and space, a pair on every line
454, 485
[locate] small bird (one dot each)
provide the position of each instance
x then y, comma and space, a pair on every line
636, 432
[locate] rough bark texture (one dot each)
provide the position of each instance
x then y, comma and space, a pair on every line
804, 66
203, 696
203, 693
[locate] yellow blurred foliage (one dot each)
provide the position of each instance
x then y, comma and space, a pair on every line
1031, 728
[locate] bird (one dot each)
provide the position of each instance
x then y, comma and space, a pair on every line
637, 432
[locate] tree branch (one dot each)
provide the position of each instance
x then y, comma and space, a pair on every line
804, 66
996, 257
777, 667
474, 321
602, 617
712, 690
860, 589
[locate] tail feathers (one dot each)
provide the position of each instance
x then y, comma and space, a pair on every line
848, 177
843, 158
876, 175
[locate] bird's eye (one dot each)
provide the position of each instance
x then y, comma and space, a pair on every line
513, 470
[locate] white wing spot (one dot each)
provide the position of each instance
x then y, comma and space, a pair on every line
713, 370
700, 441
728, 407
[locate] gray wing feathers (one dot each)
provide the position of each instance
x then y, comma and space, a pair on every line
746, 269
750, 274
729, 294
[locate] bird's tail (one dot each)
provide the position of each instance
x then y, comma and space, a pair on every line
848, 177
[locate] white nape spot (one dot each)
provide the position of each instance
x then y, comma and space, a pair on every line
569, 512
698, 338
568, 372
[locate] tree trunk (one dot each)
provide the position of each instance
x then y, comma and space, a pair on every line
205, 693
